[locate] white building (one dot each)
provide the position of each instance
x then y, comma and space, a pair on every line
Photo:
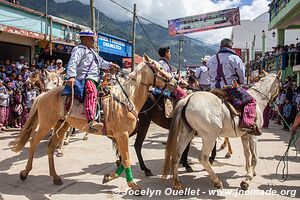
243, 35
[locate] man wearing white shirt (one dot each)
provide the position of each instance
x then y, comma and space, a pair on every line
202, 75
232, 68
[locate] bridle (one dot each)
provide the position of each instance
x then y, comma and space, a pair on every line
271, 99
130, 106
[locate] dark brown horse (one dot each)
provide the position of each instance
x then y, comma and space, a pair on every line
153, 110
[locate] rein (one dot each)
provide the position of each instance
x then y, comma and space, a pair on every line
130, 106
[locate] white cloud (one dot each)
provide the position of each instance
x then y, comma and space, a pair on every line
161, 11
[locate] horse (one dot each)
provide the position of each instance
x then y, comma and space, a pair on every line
204, 114
52, 80
153, 110
120, 111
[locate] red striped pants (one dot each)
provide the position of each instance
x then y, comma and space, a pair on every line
90, 100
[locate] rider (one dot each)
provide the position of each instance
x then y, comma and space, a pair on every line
226, 68
86, 63
165, 57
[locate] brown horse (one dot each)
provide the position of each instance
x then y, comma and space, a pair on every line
120, 111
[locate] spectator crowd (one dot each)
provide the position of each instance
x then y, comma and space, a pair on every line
20, 84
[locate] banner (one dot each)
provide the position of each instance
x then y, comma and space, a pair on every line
203, 22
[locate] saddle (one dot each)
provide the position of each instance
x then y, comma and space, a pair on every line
224, 96
78, 111
169, 102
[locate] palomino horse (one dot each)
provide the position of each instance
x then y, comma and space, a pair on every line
204, 114
52, 80
120, 111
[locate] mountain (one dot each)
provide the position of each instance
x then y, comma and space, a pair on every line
78, 12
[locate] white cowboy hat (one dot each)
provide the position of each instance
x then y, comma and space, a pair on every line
206, 58
58, 61
86, 33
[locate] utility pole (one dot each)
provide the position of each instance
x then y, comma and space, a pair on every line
93, 24
46, 19
179, 54
252, 48
263, 37
133, 37
247, 63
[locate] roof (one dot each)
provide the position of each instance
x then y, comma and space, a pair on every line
35, 12
245, 32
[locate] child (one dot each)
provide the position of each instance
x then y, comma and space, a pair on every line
288, 113
17, 108
4, 105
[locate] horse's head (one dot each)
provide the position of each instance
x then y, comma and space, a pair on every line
271, 82
52, 80
153, 74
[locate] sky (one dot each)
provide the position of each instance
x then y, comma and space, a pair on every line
160, 11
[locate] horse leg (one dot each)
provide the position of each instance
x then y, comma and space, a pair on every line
182, 144
213, 153
247, 153
85, 137
55, 140
68, 135
229, 152
223, 146
123, 147
60, 147
253, 150
39, 135
208, 145
142, 130
184, 159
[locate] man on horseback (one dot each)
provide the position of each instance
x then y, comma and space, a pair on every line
164, 61
226, 68
85, 64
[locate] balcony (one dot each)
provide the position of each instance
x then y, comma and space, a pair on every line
284, 14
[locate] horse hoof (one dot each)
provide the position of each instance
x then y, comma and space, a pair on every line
118, 163
85, 138
254, 173
134, 186
189, 169
179, 186
218, 185
244, 185
57, 181
66, 142
59, 154
108, 177
227, 155
149, 173
22, 175
211, 161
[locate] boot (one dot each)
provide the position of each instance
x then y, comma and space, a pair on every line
252, 130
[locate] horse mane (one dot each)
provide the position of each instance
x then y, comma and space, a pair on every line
129, 86
264, 84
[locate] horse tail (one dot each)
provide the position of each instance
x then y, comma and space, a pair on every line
29, 128
177, 122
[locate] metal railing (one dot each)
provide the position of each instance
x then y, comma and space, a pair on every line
277, 62
276, 6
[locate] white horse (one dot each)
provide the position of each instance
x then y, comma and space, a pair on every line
204, 114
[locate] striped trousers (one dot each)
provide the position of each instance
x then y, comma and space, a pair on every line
90, 99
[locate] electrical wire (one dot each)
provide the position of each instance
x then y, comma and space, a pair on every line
138, 19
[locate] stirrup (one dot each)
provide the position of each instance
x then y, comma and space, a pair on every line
95, 127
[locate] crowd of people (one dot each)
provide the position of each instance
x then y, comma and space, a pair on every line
290, 57
20, 84
287, 104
